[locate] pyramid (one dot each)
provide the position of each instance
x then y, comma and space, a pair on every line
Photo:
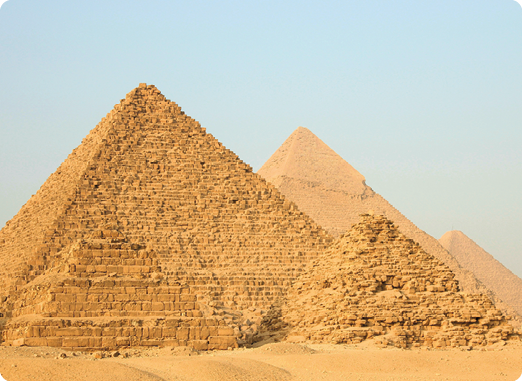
486, 268
152, 230
325, 187
306, 158
374, 282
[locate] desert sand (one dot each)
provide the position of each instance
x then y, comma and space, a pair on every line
276, 361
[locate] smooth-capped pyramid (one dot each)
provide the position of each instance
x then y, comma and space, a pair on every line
306, 158
317, 179
374, 282
328, 189
486, 268
150, 222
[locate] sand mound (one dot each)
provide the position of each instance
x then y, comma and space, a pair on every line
286, 349
330, 363
222, 368
71, 370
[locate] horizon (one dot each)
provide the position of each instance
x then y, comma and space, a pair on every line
421, 99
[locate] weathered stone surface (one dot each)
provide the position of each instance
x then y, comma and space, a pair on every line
374, 282
150, 219
324, 186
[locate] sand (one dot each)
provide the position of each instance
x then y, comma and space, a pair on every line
277, 361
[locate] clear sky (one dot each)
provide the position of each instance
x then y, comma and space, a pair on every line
422, 97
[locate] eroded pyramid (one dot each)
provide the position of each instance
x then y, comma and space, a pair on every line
328, 189
188, 233
374, 282
486, 268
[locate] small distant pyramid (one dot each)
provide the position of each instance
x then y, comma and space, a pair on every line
486, 268
374, 282
335, 204
150, 228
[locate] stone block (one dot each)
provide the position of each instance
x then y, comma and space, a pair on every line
182, 334
19, 342
225, 331
54, 342
199, 345
35, 341
222, 342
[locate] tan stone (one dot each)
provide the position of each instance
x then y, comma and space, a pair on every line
150, 217
344, 297
327, 188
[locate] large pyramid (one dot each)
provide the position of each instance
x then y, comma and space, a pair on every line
374, 282
324, 186
151, 232
486, 268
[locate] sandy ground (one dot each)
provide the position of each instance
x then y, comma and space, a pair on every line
279, 361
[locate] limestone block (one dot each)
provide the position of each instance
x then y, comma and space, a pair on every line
222, 342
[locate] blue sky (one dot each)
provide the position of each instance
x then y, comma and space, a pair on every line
422, 97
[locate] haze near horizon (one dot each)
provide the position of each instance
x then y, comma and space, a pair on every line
421, 98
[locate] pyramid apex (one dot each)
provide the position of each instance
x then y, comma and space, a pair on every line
304, 131
306, 158
374, 218
144, 92
453, 233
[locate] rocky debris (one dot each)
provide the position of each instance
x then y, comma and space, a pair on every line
374, 282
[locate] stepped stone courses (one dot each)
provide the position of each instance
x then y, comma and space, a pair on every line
373, 282
328, 189
150, 222
82, 302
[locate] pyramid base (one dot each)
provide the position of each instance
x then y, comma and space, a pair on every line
407, 337
94, 334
